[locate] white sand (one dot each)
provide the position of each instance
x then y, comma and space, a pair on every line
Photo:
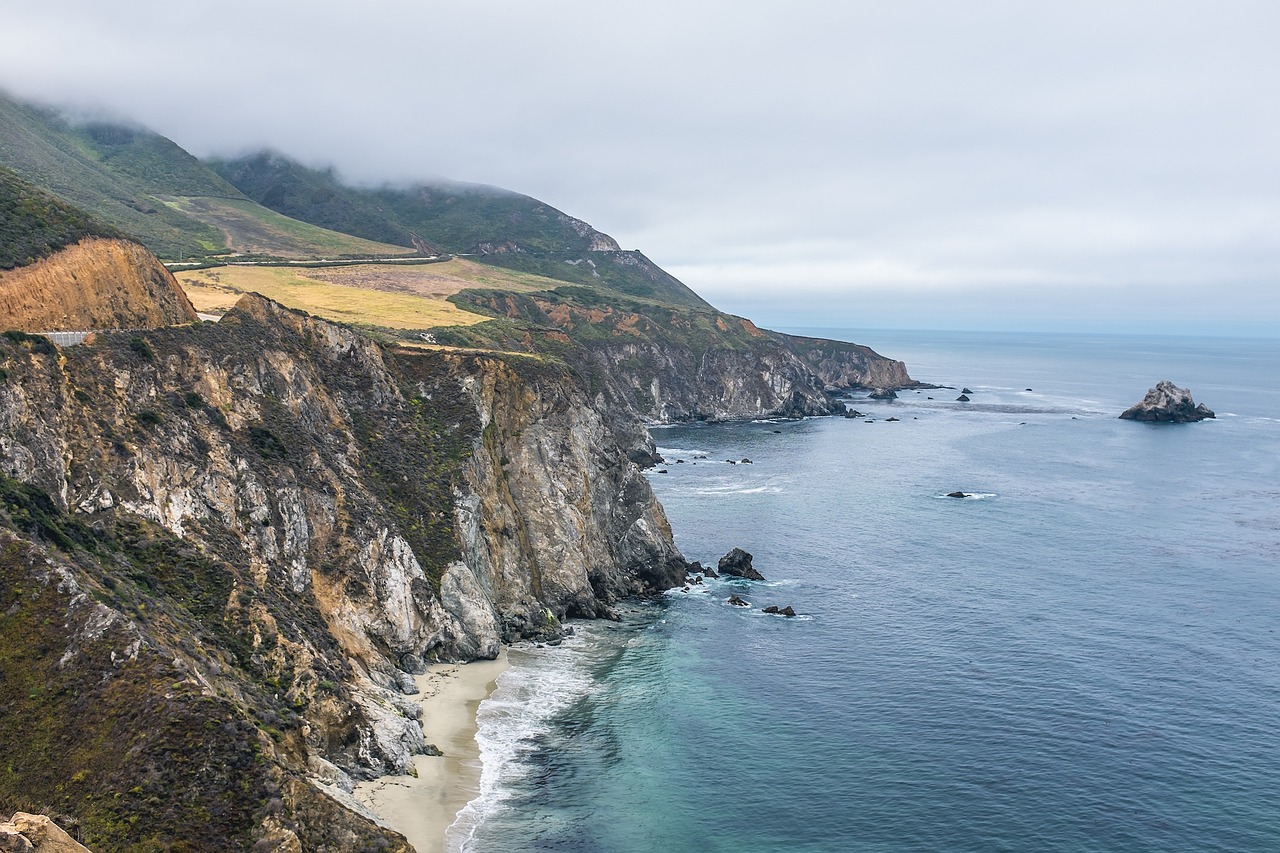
423, 808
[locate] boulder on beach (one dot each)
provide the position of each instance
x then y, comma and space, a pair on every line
738, 564
1167, 403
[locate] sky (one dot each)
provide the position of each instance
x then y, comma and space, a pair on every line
1082, 166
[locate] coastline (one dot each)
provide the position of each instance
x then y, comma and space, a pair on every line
423, 807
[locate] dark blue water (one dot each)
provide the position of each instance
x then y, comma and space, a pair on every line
1084, 657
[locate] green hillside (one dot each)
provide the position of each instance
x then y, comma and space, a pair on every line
114, 173
35, 224
148, 187
496, 226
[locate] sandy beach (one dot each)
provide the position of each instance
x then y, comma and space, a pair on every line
423, 808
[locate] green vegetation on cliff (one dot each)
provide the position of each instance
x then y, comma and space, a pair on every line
35, 224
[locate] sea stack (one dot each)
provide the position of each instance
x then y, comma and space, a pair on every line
1167, 403
737, 563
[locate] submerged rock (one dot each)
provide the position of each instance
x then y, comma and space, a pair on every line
1167, 403
738, 564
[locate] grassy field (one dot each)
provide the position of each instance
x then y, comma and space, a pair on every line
254, 229
383, 295
214, 291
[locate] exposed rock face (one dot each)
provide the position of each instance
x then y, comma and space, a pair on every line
98, 283
1168, 403
37, 833
665, 365
737, 563
780, 376
343, 515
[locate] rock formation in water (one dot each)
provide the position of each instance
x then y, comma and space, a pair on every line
737, 563
1167, 403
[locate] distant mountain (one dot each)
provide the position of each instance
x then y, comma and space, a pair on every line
148, 187
503, 228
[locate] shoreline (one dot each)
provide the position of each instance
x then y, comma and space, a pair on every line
422, 808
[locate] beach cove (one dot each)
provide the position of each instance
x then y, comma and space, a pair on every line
422, 807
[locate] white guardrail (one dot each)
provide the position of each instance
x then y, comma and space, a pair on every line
65, 339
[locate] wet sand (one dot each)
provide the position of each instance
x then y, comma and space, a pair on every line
422, 808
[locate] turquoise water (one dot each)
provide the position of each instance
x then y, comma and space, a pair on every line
1082, 658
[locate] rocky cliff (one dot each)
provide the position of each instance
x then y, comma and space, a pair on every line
97, 283
259, 529
663, 364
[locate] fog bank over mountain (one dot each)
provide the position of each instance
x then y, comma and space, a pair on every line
981, 165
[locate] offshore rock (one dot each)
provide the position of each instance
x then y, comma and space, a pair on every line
883, 394
1167, 403
738, 564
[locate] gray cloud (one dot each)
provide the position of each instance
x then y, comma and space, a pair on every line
999, 163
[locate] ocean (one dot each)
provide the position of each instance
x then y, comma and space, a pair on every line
1082, 656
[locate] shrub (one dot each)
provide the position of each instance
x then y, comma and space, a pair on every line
142, 348
266, 443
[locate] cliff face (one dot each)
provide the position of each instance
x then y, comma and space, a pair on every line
98, 283
282, 520
664, 364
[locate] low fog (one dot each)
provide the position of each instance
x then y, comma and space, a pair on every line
1000, 165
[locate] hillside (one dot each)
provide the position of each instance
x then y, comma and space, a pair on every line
149, 188
115, 173
35, 224
62, 270
496, 226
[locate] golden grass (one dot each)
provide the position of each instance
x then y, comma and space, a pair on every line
434, 280
215, 290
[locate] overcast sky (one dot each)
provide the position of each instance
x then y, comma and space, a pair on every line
986, 165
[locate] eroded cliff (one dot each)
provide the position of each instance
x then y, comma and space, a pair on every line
274, 522
96, 283
662, 363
